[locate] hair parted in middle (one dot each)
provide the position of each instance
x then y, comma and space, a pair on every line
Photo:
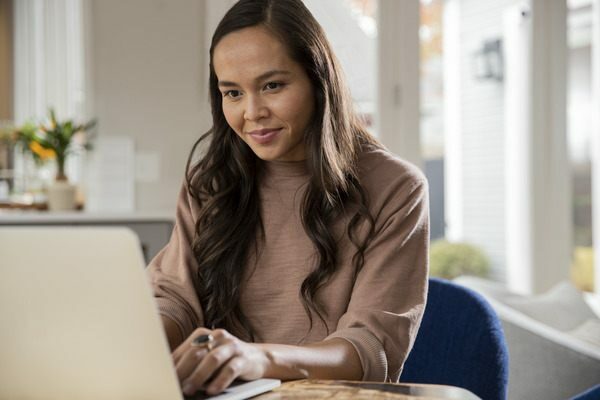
224, 181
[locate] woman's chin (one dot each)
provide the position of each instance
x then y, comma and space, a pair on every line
275, 153
266, 155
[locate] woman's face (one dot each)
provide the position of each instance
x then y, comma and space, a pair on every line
267, 97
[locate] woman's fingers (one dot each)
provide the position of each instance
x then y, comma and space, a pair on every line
182, 349
218, 364
226, 375
212, 362
189, 361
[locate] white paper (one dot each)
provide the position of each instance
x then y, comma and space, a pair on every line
110, 182
147, 166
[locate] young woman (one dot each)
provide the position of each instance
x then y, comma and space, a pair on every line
300, 247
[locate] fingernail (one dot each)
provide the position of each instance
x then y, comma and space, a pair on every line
188, 389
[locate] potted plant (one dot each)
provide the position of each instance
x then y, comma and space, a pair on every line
56, 141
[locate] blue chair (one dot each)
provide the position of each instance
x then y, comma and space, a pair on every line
460, 343
592, 393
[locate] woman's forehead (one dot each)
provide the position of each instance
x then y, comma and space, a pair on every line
249, 53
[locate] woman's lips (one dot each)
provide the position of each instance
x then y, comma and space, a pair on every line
264, 136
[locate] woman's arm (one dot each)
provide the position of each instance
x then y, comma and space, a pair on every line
331, 359
389, 293
172, 331
172, 272
232, 358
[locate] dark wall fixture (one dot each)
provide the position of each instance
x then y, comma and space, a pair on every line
488, 61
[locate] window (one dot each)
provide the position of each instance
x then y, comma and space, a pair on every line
351, 28
432, 109
579, 125
49, 72
6, 59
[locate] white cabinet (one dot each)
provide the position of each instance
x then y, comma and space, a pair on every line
153, 229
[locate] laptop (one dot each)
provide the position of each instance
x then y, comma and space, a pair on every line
78, 320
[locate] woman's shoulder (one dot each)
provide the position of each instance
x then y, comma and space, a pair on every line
377, 166
391, 183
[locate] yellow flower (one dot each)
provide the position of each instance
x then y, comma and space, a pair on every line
42, 152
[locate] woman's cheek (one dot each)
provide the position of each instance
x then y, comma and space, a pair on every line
232, 121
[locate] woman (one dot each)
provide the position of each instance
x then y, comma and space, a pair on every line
300, 245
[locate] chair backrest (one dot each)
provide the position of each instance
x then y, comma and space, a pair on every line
592, 393
460, 343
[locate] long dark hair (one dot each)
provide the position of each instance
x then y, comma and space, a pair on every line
225, 180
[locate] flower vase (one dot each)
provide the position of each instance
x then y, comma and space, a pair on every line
61, 196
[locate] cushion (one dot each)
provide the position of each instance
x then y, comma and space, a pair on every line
562, 308
488, 288
593, 300
588, 331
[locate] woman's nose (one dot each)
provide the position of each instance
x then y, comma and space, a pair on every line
255, 109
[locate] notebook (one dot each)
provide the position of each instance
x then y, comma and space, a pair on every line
78, 319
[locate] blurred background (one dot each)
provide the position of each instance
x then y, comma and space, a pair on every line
497, 101
494, 104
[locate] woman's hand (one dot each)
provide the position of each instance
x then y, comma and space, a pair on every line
230, 358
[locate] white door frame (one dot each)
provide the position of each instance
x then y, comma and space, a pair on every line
595, 140
398, 91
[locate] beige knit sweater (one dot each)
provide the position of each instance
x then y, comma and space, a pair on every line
378, 313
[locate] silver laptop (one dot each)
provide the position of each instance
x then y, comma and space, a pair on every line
78, 320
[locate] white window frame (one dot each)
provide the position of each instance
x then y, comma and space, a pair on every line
398, 90
453, 173
595, 140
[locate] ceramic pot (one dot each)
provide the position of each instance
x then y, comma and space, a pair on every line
61, 196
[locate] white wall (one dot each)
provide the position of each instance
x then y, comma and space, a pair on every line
147, 77
482, 105
546, 229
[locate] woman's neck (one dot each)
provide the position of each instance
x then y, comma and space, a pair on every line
285, 168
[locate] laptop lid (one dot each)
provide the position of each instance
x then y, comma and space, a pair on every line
77, 317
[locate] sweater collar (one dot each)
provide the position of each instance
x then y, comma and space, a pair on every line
277, 169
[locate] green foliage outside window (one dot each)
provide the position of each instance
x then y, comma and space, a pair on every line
450, 260
582, 269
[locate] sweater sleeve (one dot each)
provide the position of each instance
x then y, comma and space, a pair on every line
172, 271
389, 294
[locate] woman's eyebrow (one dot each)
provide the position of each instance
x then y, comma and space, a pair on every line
261, 77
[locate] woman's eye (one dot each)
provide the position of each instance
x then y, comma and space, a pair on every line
232, 94
273, 85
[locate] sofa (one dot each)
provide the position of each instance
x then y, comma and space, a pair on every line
553, 339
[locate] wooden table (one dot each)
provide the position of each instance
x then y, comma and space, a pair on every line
316, 389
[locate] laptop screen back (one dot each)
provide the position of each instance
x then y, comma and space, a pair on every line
77, 318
